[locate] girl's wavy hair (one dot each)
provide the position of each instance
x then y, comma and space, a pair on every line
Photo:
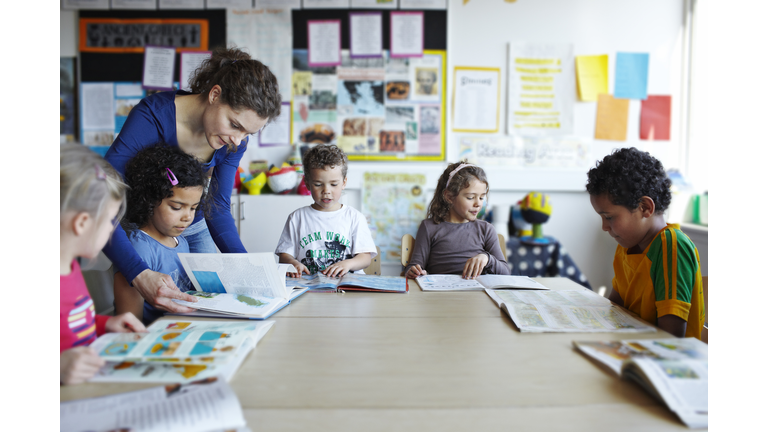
439, 207
87, 182
245, 82
147, 176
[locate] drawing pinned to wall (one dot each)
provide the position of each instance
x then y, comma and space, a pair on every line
611, 121
394, 204
541, 89
592, 76
527, 151
656, 117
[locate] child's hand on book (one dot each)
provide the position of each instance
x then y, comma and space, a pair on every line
475, 265
78, 365
338, 269
415, 271
124, 323
301, 268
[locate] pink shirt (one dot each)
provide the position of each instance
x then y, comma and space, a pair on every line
79, 323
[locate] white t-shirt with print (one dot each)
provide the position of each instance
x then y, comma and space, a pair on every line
318, 239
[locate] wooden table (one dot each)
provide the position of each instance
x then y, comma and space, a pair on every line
425, 361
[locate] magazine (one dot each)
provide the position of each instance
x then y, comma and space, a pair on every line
674, 370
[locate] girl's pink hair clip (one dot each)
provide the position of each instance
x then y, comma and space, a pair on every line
171, 177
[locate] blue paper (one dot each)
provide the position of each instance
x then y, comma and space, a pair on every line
631, 76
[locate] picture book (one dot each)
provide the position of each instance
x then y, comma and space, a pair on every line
351, 282
573, 311
178, 370
674, 370
438, 282
169, 408
249, 286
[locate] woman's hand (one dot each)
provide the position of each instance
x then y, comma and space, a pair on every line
158, 290
415, 271
475, 265
124, 323
78, 365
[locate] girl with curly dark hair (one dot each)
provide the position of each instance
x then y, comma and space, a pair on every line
167, 191
232, 96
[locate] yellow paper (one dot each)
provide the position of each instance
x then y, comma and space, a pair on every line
592, 76
612, 114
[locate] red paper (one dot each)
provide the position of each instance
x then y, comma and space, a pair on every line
655, 118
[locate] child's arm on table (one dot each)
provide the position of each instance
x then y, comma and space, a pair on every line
77, 365
673, 324
286, 258
420, 254
360, 261
127, 299
615, 297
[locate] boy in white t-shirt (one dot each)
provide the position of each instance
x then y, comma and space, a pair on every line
326, 237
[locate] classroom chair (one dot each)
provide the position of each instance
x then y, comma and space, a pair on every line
503, 244
375, 267
406, 249
705, 330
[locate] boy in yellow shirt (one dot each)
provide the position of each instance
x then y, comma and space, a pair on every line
657, 274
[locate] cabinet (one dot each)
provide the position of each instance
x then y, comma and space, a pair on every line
260, 218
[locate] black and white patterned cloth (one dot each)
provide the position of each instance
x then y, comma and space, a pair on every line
543, 260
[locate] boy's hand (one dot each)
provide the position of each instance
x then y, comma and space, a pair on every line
78, 365
124, 323
474, 266
301, 268
415, 271
338, 269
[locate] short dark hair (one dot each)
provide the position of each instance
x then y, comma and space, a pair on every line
147, 177
627, 175
325, 155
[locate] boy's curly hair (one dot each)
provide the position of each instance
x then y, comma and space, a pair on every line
324, 155
147, 177
628, 174
439, 207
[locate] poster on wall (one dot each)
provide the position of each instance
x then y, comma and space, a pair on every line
527, 152
476, 99
67, 108
112, 35
394, 205
378, 108
541, 89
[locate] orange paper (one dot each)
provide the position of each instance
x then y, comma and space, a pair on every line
612, 114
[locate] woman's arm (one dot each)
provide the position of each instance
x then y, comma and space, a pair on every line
220, 222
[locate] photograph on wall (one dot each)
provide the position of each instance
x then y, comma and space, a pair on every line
425, 78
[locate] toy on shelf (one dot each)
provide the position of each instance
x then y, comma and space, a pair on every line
517, 225
282, 180
536, 209
255, 185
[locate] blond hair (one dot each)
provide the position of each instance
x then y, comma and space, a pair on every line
86, 181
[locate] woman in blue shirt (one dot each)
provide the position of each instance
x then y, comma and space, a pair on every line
232, 96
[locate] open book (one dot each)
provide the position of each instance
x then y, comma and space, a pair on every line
178, 351
458, 283
201, 406
575, 311
675, 371
351, 282
244, 285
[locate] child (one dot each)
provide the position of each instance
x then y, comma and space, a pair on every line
166, 190
656, 266
91, 197
451, 240
326, 237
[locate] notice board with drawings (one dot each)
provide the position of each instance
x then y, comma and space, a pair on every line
483, 33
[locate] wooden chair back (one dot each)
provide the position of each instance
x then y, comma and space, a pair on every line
705, 330
406, 250
503, 244
375, 267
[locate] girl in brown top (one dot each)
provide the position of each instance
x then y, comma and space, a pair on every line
452, 240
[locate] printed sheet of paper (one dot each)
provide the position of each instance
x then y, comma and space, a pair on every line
254, 274
190, 60
611, 119
406, 34
448, 283
285, 4
365, 34
224, 4
157, 409
541, 89
325, 4
373, 4
85, 4
324, 45
267, 35
655, 117
424, 4
476, 99
97, 106
522, 151
278, 131
569, 311
181, 4
133, 4
631, 76
592, 76
158, 67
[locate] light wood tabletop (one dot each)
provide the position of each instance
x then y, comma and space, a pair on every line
425, 361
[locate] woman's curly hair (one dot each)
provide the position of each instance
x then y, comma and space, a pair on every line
627, 175
439, 207
147, 177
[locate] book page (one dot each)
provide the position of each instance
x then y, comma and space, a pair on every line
201, 406
506, 281
614, 353
448, 283
254, 274
315, 282
575, 311
236, 304
373, 282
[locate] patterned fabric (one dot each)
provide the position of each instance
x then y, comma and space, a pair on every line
543, 260
78, 322
663, 280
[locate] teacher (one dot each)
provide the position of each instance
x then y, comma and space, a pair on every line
232, 96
